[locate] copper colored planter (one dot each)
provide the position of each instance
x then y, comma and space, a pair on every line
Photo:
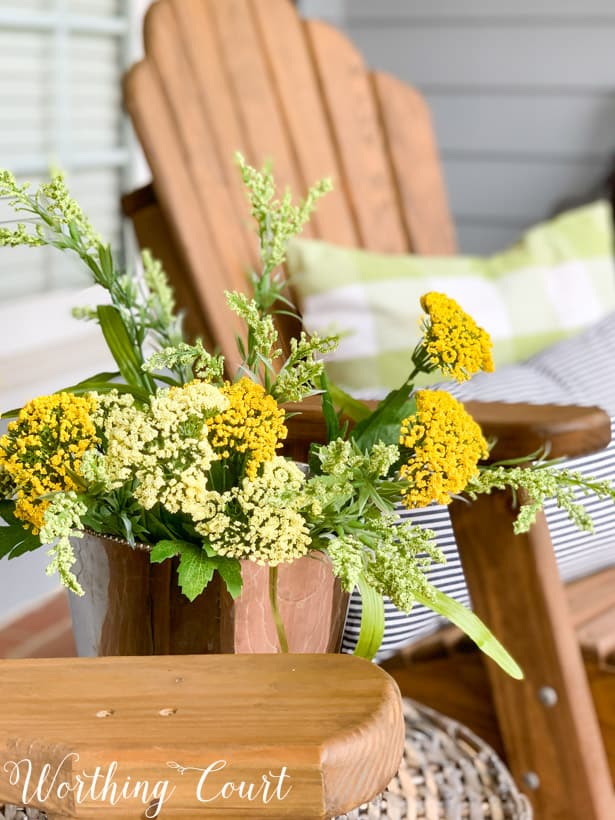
134, 607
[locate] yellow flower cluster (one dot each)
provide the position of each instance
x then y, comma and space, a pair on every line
453, 341
165, 447
252, 425
265, 526
43, 448
445, 445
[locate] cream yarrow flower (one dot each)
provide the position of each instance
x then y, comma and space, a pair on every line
164, 447
444, 446
259, 520
452, 341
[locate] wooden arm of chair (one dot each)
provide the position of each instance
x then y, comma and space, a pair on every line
519, 429
136, 200
317, 735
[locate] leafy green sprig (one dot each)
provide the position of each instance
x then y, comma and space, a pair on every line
277, 220
141, 309
535, 484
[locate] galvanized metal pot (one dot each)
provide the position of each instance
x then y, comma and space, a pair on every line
134, 607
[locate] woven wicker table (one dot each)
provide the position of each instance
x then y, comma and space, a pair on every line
447, 773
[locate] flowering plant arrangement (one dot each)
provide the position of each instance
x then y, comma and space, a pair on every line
171, 451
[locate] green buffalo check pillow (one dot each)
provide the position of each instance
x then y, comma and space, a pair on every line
556, 281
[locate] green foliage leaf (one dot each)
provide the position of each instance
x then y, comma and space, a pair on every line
372, 621
7, 512
15, 540
328, 410
383, 424
347, 405
163, 550
99, 378
28, 544
197, 565
196, 569
115, 512
474, 628
11, 414
100, 383
106, 262
122, 347
230, 572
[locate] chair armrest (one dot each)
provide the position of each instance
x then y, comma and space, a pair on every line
136, 200
325, 718
519, 429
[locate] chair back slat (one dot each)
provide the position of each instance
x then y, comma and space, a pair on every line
305, 117
252, 90
408, 132
222, 75
148, 106
355, 125
164, 43
212, 85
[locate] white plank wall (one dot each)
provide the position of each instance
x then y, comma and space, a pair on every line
522, 93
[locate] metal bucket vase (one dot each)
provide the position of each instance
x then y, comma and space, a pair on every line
134, 607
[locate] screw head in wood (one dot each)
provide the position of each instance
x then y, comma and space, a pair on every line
531, 781
547, 696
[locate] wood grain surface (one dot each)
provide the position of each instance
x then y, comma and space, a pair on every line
225, 75
409, 136
515, 588
447, 672
333, 721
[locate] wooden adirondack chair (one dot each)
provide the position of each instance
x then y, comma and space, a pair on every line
221, 75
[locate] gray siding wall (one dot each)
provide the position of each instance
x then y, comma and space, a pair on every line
522, 94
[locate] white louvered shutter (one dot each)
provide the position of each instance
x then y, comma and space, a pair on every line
61, 63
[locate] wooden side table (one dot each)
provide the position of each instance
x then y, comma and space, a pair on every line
233, 736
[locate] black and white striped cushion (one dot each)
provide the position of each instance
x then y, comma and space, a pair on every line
581, 371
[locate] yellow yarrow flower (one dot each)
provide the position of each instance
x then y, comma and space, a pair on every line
43, 448
453, 341
253, 425
445, 445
